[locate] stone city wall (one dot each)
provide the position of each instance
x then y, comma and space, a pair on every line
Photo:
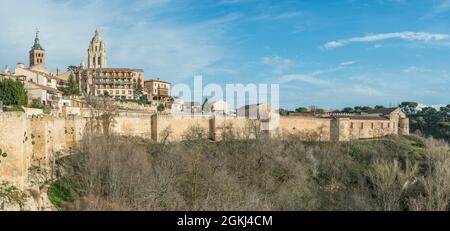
38, 140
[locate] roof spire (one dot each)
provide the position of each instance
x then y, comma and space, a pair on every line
37, 45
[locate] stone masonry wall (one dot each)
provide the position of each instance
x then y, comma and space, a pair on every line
35, 140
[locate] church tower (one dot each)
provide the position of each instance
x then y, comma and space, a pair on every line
97, 52
37, 53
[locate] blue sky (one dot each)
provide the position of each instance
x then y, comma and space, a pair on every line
330, 54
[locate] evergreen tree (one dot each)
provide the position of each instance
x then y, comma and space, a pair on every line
12, 92
72, 88
138, 89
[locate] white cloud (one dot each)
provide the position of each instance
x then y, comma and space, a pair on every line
365, 91
304, 78
274, 17
348, 63
135, 38
414, 69
440, 7
278, 63
408, 36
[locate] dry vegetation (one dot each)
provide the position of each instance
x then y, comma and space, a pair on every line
123, 173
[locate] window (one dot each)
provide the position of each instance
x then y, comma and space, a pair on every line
98, 92
382, 125
129, 92
110, 92
93, 60
99, 61
371, 125
393, 125
351, 125
362, 125
389, 125
117, 92
123, 92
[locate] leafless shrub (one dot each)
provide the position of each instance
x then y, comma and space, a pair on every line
195, 132
390, 182
436, 181
103, 110
118, 173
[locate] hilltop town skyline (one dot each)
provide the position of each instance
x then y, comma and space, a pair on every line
363, 65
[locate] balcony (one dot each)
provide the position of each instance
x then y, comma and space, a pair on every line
163, 92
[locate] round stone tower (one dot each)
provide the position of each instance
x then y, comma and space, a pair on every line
403, 128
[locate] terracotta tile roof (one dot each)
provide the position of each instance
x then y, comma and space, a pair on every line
47, 88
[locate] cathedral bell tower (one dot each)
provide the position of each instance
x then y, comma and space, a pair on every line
37, 53
97, 52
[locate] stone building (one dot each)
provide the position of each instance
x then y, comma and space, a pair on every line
97, 79
41, 84
254, 111
219, 107
157, 90
372, 124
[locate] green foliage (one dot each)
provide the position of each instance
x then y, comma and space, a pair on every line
409, 107
138, 89
301, 109
429, 121
348, 110
72, 88
138, 101
38, 105
106, 93
283, 112
359, 109
16, 108
161, 107
11, 195
73, 68
2, 155
409, 104
61, 191
12, 92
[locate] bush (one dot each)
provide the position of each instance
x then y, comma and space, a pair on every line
16, 108
62, 191
121, 173
38, 105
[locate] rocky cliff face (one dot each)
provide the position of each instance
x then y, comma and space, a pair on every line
33, 198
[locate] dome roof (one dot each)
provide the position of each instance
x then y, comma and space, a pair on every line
97, 38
